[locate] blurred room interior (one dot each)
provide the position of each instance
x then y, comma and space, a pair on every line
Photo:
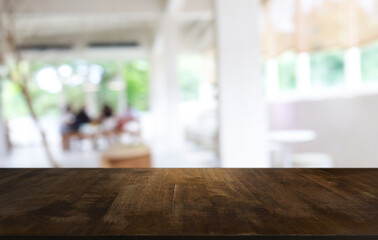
188, 83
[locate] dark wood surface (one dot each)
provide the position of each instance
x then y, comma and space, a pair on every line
189, 203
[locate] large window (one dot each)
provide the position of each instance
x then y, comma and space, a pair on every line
136, 74
369, 63
287, 72
322, 71
190, 74
327, 69
14, 105
49, 91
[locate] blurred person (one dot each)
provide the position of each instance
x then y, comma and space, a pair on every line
107, 119
131, 115
81, 119
68, 120
107, 112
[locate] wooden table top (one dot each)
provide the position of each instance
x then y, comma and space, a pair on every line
189, 203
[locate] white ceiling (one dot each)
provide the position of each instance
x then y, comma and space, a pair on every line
79, 22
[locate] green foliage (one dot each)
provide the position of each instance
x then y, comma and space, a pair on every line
74, 95
13, 102
369, 62
44, 103
327, 68
286, 71
105, 95
136, 75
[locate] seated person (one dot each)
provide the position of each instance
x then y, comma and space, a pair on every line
81, 119
108, 120
130, 116
68, 119
107, 112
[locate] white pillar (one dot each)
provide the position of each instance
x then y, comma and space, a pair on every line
91, 102
122, 102
158, 102
243, 120
272, 77
165, 91
3, 140
303, 71
352, 68
352, 56
3, 73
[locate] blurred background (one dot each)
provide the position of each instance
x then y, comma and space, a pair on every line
188, 83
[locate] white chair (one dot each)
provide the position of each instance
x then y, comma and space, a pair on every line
312, 160
275, 154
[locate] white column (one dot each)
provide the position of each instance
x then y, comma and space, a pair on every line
122, 102
243, 120
272, 77
3, 73
3, 141
171, 50
303, 71
352, 56
352, 68
165, 91
157, 90
91, 102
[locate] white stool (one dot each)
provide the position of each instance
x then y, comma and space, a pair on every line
312, 160
275, 154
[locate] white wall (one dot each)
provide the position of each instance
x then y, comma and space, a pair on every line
347, 128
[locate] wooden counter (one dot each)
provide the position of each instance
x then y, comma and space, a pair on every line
188, 204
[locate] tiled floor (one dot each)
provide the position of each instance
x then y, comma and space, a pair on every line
34, 157
31, 155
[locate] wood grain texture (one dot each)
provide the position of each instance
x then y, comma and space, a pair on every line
192, 203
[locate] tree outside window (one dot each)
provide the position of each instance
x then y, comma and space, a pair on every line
287, 72
327, 69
